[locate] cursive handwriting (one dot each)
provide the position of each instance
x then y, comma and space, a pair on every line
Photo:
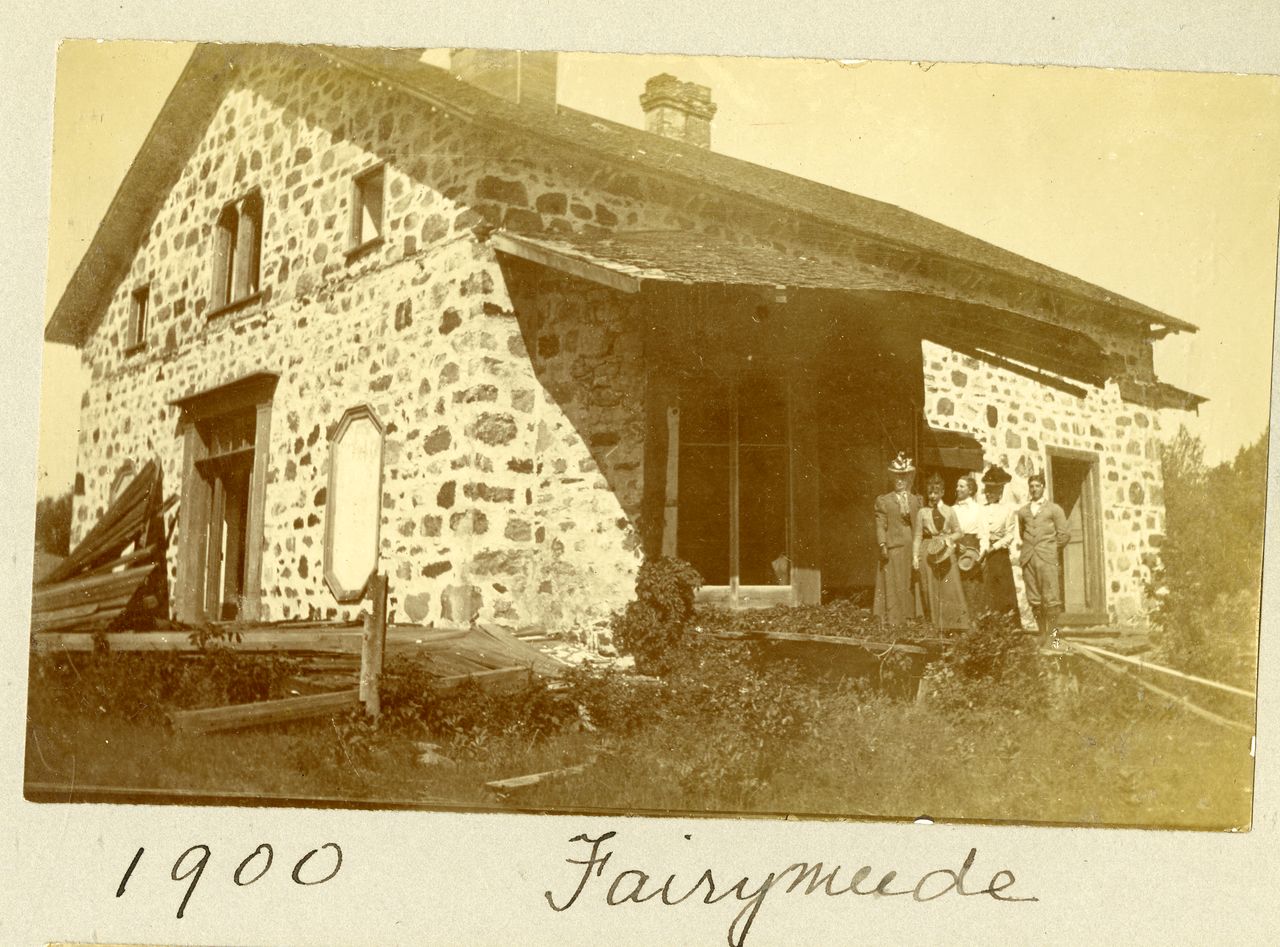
638, 886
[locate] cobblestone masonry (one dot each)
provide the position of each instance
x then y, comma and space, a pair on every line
512, 477
1017, 420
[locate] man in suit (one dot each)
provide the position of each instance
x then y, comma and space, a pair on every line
897, 590
1043, 528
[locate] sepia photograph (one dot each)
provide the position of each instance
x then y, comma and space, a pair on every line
523, 431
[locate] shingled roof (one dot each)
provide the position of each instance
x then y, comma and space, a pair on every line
194, 96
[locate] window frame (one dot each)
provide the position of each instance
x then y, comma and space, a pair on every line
357, 243
139, 309
236, 277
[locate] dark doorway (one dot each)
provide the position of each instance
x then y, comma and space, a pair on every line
1073, 485
227, 472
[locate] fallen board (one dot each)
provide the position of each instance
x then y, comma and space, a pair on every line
876, 647
341, 641
264, 712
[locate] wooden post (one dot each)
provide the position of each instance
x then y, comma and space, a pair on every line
373, 647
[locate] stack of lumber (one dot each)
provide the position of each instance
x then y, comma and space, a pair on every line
116, 574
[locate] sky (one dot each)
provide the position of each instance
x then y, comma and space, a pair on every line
1161, 186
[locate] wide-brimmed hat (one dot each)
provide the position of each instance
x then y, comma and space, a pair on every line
901, 465
967, 558
995, 476
936, 549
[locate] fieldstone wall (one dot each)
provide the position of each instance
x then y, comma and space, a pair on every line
421, 327
1018, 420
513, 402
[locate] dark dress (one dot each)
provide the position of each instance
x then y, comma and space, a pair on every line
1002, 595
897, 588
943, 593
971, 579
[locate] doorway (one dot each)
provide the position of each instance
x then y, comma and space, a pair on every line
226, 440
1073, 484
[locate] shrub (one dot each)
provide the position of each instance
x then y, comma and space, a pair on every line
649, 627
145, 686
993, 665
1207, 583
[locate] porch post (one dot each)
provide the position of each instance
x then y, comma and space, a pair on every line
806, 526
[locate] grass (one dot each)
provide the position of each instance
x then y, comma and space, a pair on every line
722, 735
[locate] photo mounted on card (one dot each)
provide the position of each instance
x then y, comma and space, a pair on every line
484, 429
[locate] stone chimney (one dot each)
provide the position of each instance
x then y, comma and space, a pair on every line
526, 78
679, 110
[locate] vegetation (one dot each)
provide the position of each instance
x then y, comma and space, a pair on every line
1208, 585
53, 524
996, 732
724, 731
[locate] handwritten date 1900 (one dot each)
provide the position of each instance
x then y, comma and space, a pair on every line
255, 865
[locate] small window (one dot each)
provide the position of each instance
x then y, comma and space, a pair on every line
237, 252
366, 207
136, 337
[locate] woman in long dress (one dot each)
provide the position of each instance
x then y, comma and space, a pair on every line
971, 548
1002, 530
897, 597
933, 553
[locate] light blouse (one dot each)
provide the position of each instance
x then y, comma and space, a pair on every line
969, 516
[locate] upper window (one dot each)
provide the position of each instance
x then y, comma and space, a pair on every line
366, 207
136, 336
237, 252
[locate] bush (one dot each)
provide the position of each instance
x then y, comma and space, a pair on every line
468, 715
649, 627
993, 666
1207, 585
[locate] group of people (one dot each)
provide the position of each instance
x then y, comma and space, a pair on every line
952, 564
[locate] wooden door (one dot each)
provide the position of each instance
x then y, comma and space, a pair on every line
1074, 487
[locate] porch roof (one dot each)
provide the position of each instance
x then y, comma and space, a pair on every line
625, 261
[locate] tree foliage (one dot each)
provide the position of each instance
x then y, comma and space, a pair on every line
53, 524
1208, 585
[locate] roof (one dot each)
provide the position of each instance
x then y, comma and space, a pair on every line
626, 260
195, 95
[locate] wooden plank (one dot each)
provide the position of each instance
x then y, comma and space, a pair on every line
122, 518
1179, 700
256, 512
192, 524
863, 643
514, 650
497, 680
373, 646
264, 712
1148, 666
504, 786
671, 498
347, 642
92, 588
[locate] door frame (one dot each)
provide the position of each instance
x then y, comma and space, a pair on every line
254, 391
1095, 558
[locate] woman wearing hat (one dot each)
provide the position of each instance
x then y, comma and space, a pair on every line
933, 552
971, 548
1002, 526
897, 591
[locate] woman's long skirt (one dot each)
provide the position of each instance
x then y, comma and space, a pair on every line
1002, 595
897, 590
944, 595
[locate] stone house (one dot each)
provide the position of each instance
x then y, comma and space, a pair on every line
583, 343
